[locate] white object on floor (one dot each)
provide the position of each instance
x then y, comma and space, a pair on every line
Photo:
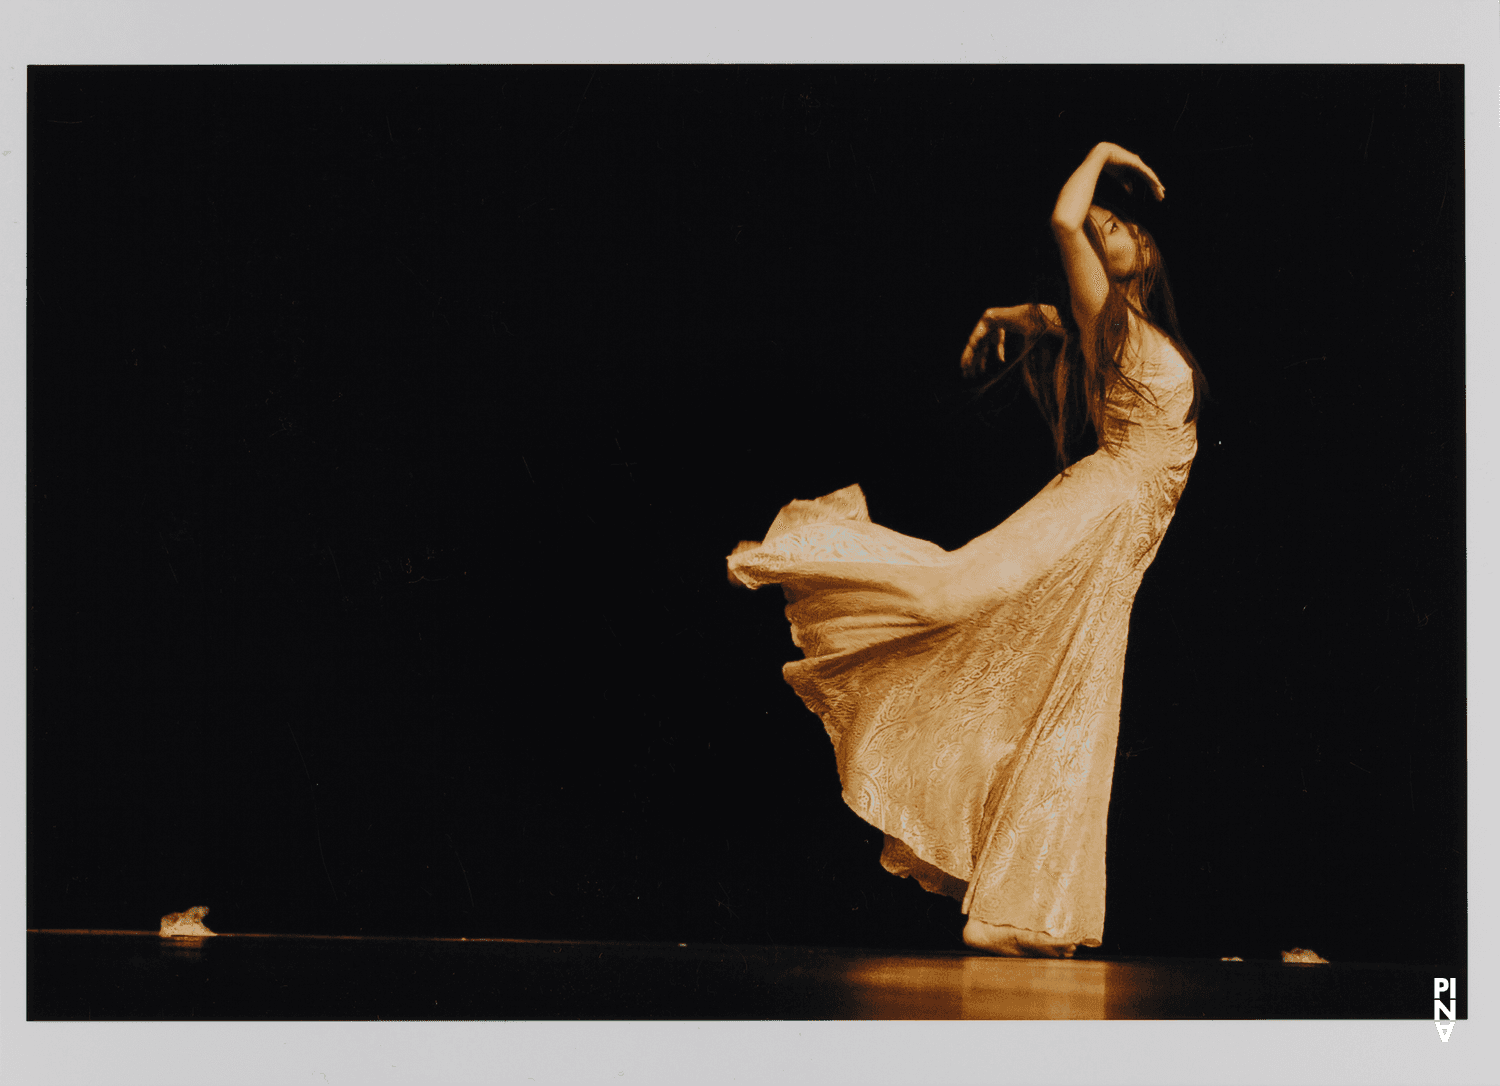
189, 923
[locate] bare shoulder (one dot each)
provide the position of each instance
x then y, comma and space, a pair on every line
1154, 345
1157, 361
1146, 344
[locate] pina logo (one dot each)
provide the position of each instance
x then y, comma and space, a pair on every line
1441, 1010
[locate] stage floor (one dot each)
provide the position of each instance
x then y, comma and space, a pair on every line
81, 975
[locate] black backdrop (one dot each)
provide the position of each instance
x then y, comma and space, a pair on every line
388, 428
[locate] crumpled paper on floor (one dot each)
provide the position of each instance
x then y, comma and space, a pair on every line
187, 924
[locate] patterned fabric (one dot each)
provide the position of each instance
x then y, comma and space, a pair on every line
973, 696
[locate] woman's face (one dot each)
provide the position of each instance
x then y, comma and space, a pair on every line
1121, 251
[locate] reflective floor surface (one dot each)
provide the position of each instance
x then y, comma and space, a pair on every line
140, 976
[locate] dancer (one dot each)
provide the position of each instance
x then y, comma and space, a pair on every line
973, 696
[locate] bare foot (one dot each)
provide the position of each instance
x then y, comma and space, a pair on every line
1012, 942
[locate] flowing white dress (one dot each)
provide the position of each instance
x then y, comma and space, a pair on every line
973, 696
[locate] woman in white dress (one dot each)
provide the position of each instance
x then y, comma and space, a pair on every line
973, 696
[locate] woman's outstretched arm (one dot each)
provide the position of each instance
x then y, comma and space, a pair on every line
994, 324
1087, 281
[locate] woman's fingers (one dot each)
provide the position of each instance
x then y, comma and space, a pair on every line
967, 362
974, 350
1123, 161
977, 349
1157, 188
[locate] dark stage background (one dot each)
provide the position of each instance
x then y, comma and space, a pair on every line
389, 428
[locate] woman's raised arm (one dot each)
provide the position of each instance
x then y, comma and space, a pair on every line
1087, 282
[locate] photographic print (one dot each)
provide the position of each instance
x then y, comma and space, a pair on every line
401, 441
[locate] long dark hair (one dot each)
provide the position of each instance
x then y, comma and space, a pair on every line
1069, 384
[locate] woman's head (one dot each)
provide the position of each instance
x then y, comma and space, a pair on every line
1126, 250
1137, 276
1070, 383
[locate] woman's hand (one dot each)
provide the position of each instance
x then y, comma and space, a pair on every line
1125, 167
989, 333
